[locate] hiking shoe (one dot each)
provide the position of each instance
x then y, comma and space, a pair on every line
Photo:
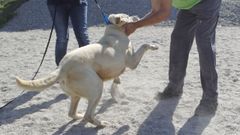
170, 93
206, 108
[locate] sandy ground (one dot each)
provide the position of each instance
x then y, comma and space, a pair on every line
22, 43
138, 112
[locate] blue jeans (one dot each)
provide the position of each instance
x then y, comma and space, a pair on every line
78, 15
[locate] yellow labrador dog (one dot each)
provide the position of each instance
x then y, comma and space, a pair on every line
82, 71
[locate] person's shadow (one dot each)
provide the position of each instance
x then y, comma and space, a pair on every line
195, 125
159, 122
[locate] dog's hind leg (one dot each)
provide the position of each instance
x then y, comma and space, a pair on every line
114, 89
134, 58
73, 108
94, 91
90, 113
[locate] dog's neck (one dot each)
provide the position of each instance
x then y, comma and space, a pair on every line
117, 29
114, 35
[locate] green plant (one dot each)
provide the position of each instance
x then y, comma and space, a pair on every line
7, 10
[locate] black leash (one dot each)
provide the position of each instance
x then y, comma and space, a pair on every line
45, 52
107, 22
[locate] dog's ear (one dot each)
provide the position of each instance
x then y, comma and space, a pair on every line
119, 19
114, 19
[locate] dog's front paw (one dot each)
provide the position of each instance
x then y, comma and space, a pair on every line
150, 47
153, 47
76, 116
94, 121
103, 124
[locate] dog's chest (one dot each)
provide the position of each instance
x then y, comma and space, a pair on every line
107, 74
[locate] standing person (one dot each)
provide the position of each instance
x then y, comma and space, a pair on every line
76, 10
196, 18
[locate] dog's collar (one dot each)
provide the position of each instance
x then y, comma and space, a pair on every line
105, 18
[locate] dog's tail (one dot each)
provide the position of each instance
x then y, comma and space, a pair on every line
39, 84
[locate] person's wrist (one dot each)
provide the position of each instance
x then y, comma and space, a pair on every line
137, 24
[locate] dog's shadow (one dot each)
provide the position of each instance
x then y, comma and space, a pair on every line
80, 128
76, 129
105, 105
10, 115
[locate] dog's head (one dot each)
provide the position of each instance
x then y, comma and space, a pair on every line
121, 19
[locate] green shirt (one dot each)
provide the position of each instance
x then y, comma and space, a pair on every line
184, 4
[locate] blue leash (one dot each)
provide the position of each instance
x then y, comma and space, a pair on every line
104, 15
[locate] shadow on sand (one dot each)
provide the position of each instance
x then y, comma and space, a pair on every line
105, 105
159, 122
21, 99
195, 125
80, 128
75, 129
9, 115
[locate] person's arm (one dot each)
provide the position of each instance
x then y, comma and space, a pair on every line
161, 10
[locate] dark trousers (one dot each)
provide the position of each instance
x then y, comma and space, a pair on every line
78, 15
199, 22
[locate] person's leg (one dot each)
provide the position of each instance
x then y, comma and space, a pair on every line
181, 42
61, 28
207, 13
78, 16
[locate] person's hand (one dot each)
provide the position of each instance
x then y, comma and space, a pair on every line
129, 28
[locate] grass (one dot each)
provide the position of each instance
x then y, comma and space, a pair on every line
7, 10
